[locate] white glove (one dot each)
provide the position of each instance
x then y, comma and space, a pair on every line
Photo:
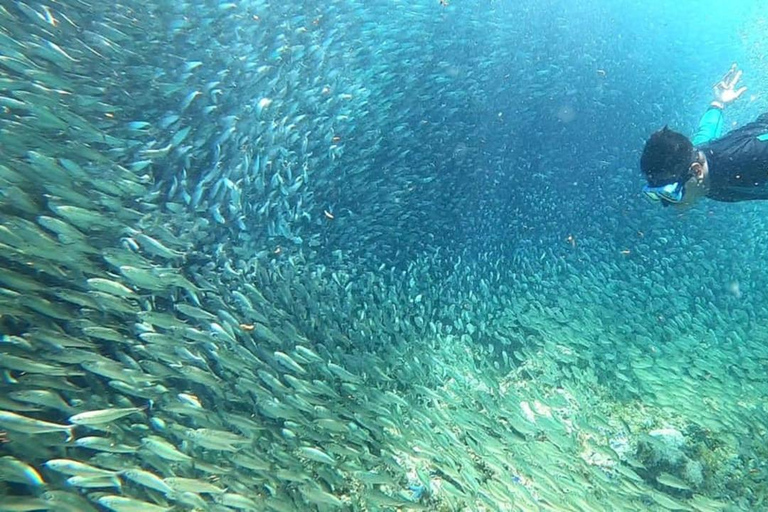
725, 91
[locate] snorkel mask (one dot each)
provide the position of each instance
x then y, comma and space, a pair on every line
669, 193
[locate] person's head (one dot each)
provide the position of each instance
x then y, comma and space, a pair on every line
676, 172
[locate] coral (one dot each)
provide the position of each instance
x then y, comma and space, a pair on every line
663, 447
693, 473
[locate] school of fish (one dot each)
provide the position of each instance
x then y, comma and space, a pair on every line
226, 284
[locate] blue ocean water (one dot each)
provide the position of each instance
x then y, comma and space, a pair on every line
357, 255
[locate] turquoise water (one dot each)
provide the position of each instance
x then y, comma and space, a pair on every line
372, 256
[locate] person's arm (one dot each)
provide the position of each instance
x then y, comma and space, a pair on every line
710, 126
711, 123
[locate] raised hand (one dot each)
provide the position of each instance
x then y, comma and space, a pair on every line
725, 90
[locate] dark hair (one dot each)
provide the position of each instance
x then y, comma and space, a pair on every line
667, 157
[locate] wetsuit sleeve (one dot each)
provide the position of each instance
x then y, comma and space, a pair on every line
710, 127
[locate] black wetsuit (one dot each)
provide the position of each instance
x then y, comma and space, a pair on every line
738, 161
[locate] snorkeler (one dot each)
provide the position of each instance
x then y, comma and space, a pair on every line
730, 168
